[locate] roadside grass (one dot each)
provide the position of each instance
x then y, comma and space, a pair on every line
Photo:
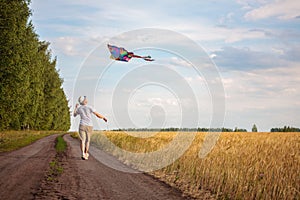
12, 140
240, 166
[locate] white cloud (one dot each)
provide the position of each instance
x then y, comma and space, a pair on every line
245, 4
179, 62
267, 97
242, 34
212, 56
245, 59
273, 88
282, 9
208, 32
67, 45
228, 18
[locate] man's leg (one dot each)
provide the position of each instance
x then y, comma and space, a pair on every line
82, 136
88, 139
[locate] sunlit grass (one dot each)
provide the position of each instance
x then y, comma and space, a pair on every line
135, 142
241, 165
12, 140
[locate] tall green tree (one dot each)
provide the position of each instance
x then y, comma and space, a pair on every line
14, 62
31, 93
254, 128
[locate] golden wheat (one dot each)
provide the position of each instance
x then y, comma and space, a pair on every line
240, 166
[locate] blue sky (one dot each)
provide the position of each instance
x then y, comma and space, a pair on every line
254, 44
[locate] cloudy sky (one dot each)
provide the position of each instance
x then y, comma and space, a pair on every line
253, 46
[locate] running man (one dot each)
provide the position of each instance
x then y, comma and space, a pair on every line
86, 124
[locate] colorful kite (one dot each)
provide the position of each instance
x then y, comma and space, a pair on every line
121, 54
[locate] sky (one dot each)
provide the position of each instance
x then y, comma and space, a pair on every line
231, 63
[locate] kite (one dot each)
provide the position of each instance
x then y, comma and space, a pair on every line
121, 54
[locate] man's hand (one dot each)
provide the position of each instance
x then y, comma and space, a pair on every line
75, 110
100, 116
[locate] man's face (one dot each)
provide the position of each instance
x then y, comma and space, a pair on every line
85, 101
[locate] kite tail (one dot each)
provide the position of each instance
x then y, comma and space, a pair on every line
148, 58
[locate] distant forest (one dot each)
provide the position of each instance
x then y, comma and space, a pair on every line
284, 129
31, 94
185, 129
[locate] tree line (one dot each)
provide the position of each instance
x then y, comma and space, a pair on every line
236, 129
172, 129
31, 94
285, 129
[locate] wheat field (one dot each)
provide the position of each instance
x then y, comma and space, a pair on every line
240, 166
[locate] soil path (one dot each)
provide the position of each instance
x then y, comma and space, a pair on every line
23, 176
22, 170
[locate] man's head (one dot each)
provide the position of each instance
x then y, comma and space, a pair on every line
82, 100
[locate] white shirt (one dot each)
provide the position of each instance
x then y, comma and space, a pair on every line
85, 113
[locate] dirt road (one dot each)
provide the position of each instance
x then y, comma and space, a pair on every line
23, 175
21, 171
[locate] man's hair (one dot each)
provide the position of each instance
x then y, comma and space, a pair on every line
81, 99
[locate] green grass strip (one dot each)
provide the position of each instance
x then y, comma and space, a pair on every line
61, 144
